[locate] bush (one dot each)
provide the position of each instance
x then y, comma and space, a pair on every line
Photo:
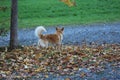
3, 30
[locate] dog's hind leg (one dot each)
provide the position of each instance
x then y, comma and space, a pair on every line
46, 44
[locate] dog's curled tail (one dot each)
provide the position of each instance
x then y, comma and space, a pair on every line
39, 30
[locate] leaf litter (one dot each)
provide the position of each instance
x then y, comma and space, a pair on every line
29, 61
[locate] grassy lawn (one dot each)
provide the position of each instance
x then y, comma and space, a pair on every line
53, 12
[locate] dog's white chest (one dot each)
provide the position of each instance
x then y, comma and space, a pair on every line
61, 37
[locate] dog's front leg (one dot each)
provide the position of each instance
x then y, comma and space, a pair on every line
59, 46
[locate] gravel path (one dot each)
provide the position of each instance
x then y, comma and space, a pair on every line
102, 33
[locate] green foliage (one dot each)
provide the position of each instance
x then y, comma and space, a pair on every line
3, 30
53, 12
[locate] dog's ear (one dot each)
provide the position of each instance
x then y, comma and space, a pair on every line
62, 28
56, 28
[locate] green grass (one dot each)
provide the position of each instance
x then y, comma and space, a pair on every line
53, 12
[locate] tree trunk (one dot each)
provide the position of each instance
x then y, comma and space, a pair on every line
14, 25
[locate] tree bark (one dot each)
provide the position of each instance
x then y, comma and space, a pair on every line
14, 24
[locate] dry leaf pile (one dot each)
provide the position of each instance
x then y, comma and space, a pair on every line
29, 61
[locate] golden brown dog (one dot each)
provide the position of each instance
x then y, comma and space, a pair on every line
46, 39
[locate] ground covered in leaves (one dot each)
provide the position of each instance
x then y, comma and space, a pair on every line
29, 62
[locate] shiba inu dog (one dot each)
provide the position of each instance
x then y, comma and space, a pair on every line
46, 39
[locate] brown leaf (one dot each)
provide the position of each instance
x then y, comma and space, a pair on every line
39, 55
67, 79
82, 74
